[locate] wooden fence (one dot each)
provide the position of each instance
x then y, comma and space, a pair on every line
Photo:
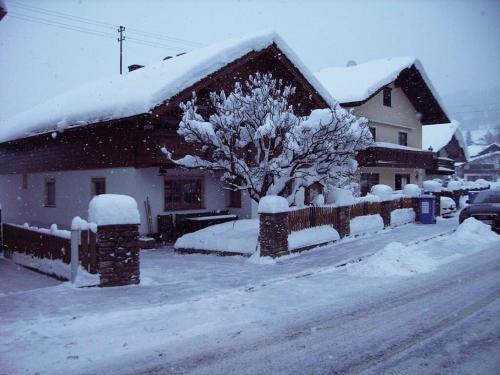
316, 216
44, 245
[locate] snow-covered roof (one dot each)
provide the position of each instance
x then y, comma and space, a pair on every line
439, 135
357, 83
475, 149
490, 154
139, 91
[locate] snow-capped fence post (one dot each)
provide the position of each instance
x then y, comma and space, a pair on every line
117, 219
75, 256
273, 226
437, 194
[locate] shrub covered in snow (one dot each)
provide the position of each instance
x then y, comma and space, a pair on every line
272, 204
432, 186
412, 190
454, 185
319, 200
285, 147
384, 192
112, 209
342, 197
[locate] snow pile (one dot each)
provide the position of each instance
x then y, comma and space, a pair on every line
454, 185
366, 224
238, 236
432, 186
395, 259
55, 267
412, 190
319, 200
112, 209
139, 91
54, 231
482, 184
384, 192
473, 231
402, 216
272, 204
312, 236
342, 197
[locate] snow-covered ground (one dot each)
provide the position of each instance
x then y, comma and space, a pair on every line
426, 291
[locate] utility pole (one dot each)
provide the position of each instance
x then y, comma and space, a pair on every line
121, 29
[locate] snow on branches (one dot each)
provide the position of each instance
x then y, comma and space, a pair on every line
254, 137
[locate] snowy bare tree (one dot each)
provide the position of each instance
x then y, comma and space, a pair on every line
260, 145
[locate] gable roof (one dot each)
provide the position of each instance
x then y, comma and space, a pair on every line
493, 147
439, 135
354, 85
142, 90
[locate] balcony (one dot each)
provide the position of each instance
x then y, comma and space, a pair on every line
442, 166
395, 156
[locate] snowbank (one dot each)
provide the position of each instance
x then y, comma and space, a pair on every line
402, 216
55, 267
112, 209
432, 186
238, 236
474, 231
412, 190
384, 192
272, 204
395, 259
312, 236
366, 224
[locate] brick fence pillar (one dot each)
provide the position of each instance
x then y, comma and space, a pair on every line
344, 221
437, 202
118, 254
415, 204
385, 212
273, 234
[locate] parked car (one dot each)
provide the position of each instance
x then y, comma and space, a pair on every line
484, 207
448, 207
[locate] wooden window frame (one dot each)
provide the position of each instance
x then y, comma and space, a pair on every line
398, 180
48, 202
387, 96
180, 182
93, 182
400, 134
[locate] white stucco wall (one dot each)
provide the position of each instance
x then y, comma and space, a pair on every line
73, 194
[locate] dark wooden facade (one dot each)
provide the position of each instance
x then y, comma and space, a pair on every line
395, 158
135, 141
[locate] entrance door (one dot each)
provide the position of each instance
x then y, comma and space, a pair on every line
401, 181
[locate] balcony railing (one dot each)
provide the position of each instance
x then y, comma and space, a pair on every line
395, 158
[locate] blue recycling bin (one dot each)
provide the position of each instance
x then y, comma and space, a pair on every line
472, 196
427, 209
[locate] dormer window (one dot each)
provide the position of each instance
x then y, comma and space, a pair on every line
387, 96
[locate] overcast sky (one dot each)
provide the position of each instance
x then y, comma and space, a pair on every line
458, 42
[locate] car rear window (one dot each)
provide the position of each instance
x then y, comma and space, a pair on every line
487, 197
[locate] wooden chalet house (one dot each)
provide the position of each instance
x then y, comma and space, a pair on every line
398, 99
105, 137
448, 145
485, 165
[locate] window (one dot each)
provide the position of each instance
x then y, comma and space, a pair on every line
183, 194
98, 186
50, 192
403, 138
235, 198
373, 130
24, 181
401, 180
367, 181
387, 96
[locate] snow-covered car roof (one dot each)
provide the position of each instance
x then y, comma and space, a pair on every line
140, 91
439, 135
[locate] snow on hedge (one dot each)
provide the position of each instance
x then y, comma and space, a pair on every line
454, 185
384, 192
432, 186
312, 236
54, 230
238, 236
139, 91
412, 190
402, 216
272, 204
112, 209
366, 224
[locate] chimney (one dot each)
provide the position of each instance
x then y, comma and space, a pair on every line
133, 67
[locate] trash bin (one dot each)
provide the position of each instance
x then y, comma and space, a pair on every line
427, 209
471, 196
